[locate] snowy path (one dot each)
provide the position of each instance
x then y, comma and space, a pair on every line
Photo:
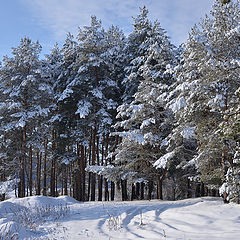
202, 218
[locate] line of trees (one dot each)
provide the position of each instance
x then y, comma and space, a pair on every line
108, 117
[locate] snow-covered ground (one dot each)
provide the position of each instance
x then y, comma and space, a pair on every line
65, 218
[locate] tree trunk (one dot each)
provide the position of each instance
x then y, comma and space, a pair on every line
160, 184
112, 191
150, 190
133, 195
142, 186
106, 192
138, 190
52, 175
99, 177
124, 190
38, 190
45, 169
21, 184
65, 179
56, 179
159, 189
77, 189
197, 191
225, 155
112, 160
202, 190
89, 162
189, 191
62, 184
93, 177
83, 175
70, 179
21, 188
31, 171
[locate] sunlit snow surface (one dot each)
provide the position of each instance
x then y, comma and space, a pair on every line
201, 218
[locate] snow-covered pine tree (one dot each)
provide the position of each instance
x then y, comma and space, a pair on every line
145, 122
179, 146
136, 53
231, 131
64, 119
114, 58
231, 186
210, 77
25, 94
97, 83
54, 70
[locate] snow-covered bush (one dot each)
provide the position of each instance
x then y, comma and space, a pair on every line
9, 231
33, 217
6, 187
232, 187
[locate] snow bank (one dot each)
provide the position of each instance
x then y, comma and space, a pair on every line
200, 218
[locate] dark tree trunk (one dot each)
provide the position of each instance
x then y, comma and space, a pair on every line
133, 195
21, 185
138, 190
106, 192
142, 185
150, 190
124, 190
89, 185
45, 169
159, 189
113, 158
189, 190
89, 162
62, 184
99, 177
82, 170
202, 190
38, 190
70, 179
56, 179
112, 191
93, 177
77, 190
31, 171
52, 174
160, 184
65, 179
197, 191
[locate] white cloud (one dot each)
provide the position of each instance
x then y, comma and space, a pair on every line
62, 16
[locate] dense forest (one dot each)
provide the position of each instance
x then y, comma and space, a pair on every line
113, 117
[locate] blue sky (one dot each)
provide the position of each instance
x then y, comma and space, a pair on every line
49, 20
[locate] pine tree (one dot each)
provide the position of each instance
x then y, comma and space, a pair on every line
145, 121
136, 52
26, 94
210, 80
95, 87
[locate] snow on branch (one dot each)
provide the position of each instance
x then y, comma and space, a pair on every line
162, 161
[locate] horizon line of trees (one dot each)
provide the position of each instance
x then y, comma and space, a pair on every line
113, 117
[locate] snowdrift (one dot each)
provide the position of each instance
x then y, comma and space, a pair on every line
42, 217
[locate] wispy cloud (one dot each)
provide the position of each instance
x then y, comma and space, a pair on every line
179, 16
62, 16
